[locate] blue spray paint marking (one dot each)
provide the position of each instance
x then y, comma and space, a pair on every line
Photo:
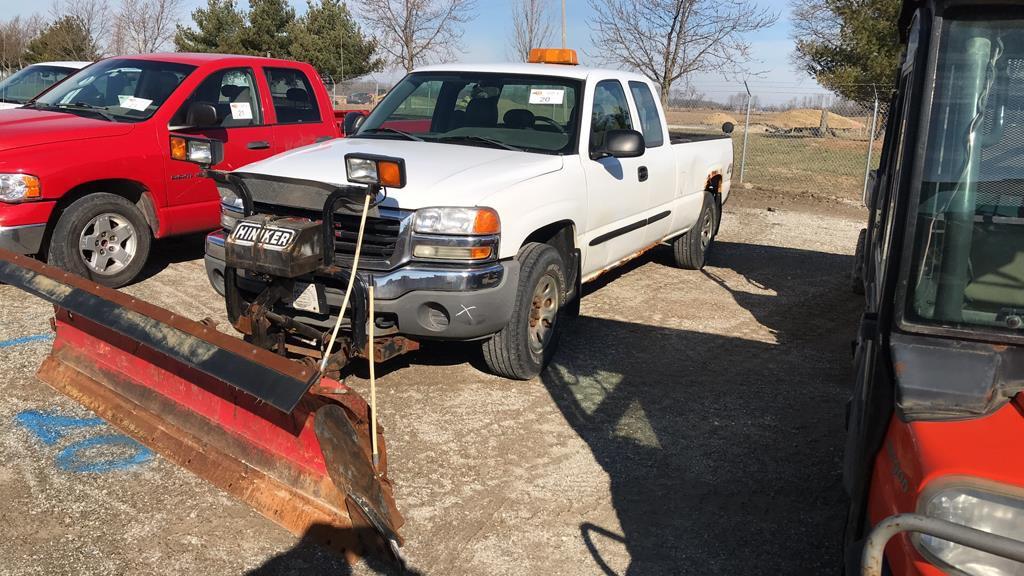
51, 427
25, 340
69, 461
48, 425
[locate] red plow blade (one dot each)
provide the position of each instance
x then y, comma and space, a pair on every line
263, 428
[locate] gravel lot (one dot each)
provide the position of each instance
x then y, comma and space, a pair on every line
691, 423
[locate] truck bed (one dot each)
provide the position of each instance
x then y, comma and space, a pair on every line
687, 137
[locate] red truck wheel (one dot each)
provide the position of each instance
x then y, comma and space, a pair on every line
102, 237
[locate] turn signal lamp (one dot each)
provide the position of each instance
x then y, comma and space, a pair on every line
565, 56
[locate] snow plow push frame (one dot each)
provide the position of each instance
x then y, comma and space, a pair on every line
270, 431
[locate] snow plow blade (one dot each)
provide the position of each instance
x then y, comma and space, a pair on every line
263, 428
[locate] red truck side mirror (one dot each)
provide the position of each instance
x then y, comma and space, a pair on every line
353, 120
201, 115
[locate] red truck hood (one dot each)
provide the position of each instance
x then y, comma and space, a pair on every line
23, 127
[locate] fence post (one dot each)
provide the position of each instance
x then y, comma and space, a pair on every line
746, 131
871, 146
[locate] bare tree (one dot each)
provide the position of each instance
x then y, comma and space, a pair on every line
413, 32
15, 34
667, 40
531, 27
94, 16
144, 26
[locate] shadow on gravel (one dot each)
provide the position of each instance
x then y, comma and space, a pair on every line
167, 251
309, 558
723, 451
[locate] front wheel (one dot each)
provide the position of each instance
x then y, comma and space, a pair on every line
102, 237
690, 251
525, 345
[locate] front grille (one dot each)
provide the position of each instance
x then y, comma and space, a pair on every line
380, 238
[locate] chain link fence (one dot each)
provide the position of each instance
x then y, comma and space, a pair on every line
812, 143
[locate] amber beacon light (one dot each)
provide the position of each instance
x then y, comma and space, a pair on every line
553, 56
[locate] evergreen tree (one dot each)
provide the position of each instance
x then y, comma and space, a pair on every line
219, 28
67, 38
328, 37
267, 32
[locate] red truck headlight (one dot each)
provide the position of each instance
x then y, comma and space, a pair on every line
19, 187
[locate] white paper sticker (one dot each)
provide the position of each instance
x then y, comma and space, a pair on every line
241, 111
538, 96
306, 298
133, 103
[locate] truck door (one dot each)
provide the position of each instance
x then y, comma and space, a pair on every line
616, 197
297, 113
240, 126
659, 163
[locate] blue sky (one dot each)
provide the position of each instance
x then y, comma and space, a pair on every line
486, 37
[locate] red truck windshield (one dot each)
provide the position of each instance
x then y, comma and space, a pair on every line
119, 89
968, 269
532, 113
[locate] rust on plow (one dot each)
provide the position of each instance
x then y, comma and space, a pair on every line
203, 415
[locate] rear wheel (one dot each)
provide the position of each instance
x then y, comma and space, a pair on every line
523, 347
690, 251
102, 237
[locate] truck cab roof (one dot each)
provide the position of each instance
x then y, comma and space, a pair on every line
557, 70
199, 59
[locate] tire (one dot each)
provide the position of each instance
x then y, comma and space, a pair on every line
690, 251
521, 350
857, 274
101, 221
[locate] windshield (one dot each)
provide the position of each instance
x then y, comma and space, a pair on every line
529, 113
968, 268
120, 90
23, 85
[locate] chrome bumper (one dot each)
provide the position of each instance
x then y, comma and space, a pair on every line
22, 239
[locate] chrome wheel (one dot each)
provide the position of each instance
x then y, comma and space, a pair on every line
107, 244
707, 227
543, 312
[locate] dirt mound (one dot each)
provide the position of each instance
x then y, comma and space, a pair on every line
808, 118
717, 119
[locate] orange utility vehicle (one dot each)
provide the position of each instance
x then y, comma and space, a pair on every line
937, 413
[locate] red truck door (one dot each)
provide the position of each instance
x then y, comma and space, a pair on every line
302, 117
242, 126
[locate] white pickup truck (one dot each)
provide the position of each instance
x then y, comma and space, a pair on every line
520, 183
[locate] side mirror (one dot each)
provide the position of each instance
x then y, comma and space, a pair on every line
201, 115
621, 144
728, 127
353, 120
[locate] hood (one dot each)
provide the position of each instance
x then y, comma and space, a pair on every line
436, 174
22, 127
8, 105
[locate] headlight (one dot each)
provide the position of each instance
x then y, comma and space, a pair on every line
977, 508
18, 187
458, 221
202, 151
375, 170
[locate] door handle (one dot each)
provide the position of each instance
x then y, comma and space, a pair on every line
258, 145
641, 173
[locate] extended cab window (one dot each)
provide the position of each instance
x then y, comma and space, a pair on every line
119, 89
611, 112
232, 92
515, 112
294, 99
650, 121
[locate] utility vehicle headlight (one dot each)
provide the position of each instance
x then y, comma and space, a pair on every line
457, 221
978, 508
18, 187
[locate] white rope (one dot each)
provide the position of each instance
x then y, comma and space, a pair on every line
351, 282
373, 387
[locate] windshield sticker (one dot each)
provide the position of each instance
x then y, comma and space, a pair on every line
538, 96
134, 103
241, 111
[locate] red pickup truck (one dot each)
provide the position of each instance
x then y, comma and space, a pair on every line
94, 169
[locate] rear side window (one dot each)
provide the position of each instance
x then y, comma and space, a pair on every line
294, 99
611, 112
650, 122
232, 92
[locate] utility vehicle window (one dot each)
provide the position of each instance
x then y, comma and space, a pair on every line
969, 235
232, 93
611, 112
521, 113
117, 90
650, 120
294, 99
23, 85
